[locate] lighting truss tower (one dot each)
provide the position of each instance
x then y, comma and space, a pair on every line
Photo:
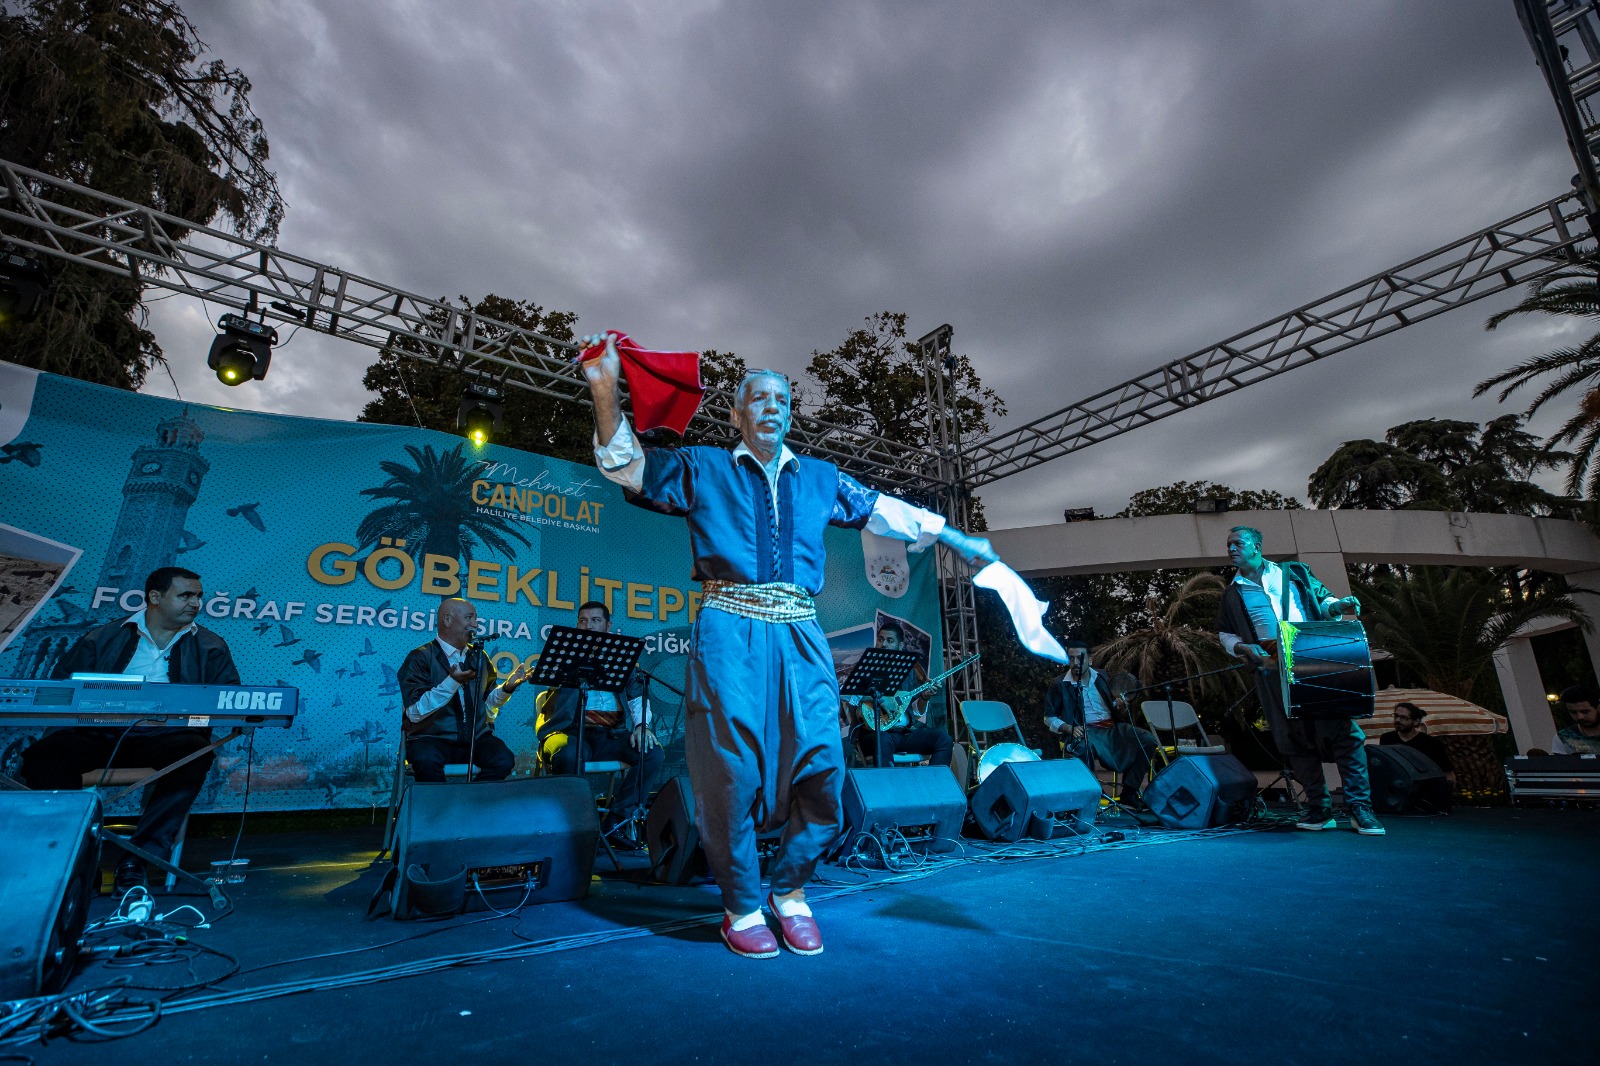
957, 600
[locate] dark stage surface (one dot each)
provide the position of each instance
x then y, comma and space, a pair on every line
1464, 939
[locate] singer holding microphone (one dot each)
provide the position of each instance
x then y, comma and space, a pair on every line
450, 699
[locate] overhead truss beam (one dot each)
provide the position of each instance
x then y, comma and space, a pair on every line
63, 221
1510, 253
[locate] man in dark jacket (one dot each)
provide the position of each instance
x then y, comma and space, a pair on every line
1260, 595
450, 698
614, 730
162, 644
1093, 723
1409, 731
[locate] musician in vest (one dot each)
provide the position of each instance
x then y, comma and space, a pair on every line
163, 644
1260, 594
613, 730
761, 732
451, 700
912, 734
1093, 723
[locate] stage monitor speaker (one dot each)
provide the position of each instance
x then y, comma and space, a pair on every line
922, 804
673, 836
53, 861
475, 845
1042, 800
1400, 775
1202, 791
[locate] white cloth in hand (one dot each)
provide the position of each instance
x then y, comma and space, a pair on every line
1026, 610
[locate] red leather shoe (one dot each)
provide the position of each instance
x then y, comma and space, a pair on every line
800, 933
757, 942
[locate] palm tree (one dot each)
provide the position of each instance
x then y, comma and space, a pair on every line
1166, 644
1446, 623
1569, 291
433, 510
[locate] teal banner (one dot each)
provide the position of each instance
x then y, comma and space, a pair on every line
324, 548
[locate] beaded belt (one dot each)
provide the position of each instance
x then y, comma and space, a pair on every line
774, 601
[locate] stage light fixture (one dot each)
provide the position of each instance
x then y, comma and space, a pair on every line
242, 351
22, 284
480, 412
1212, 505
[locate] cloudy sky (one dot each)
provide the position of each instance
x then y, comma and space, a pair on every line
1084, 190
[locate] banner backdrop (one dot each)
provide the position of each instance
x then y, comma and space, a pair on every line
324, 548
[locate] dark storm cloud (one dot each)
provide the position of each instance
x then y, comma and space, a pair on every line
1083, 190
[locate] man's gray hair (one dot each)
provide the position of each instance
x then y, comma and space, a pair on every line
1250, 532
751, 375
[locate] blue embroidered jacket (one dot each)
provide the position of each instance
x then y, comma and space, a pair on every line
729, 508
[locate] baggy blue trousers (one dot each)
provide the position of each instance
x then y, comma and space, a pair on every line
763, 748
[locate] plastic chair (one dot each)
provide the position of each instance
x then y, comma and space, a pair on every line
1173, 716
121, 777
985, 717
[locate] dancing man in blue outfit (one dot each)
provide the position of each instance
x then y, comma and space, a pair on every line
762, 737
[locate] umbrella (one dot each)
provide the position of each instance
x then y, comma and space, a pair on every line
1447, 716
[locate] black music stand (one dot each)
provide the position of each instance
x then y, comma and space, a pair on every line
589, 661
876, 674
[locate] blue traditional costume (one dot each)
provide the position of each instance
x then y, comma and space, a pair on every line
762, 737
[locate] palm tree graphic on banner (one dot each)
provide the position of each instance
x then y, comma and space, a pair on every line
430, 508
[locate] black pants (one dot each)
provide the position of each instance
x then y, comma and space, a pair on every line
611, 745
1122, 747
934, 743
59, 760
428, 756
1306, 743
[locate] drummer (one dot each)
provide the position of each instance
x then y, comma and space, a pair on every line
1261, 594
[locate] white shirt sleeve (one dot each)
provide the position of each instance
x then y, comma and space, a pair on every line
638, 713
621, 460
1055, 725
1230, 641
900, 520
433, 699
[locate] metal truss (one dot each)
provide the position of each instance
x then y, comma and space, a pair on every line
63, 221
1508, 254
1565, 37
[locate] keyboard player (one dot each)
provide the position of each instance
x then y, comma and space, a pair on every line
161, 644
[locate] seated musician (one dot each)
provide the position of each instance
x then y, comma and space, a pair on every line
1093, 723
163, 644
910, 734
451, 700
613, 730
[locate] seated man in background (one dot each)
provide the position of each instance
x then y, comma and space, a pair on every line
162, 644
451, 700
1408, 731
913, 734
1582, 737
1092, 723
613, 730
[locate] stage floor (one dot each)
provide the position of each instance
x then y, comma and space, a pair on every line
1463, 939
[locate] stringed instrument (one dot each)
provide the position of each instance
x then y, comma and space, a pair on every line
890, 711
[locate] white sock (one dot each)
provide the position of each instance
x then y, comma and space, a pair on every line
747, 922
792, 905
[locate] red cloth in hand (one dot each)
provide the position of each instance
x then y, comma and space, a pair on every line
665, 386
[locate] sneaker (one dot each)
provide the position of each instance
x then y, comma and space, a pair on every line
130, 874
1363, 821
1319, 818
